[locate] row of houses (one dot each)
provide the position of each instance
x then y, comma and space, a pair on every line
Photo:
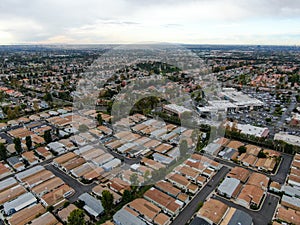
88, 162
245, 188
32, 189
147, 136
289, 209
216, 212
228, 150
164, 201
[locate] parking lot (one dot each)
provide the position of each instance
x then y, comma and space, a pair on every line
268, 116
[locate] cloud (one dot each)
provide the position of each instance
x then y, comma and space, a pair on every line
124, 21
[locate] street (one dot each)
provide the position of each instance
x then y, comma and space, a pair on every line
188, 212
261, 217
73, 183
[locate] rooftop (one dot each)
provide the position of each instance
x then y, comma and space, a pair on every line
213, 210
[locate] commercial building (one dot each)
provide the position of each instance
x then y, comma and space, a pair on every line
248, 129
288, 138
175, 109
240, 99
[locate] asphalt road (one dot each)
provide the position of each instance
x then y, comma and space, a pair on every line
188, 212
73, 183
283, 170
261, 217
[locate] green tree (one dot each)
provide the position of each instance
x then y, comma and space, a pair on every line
147, 175
99, 119
195, 135
10, 114
18, 145
268, 119
242, 149
261, 154
3, 152
28, 142
17, 111
83, 128
107, 201
76, 217
127, 196
134, 180
48, 97
183, 147
48, 136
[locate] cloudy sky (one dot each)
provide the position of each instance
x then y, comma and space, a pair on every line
132, 21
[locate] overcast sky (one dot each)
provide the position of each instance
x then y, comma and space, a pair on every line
132, 21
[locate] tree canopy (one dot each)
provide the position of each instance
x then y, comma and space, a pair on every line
3, 152
76, 217
47, 136
107, 200
28, 142
183, 147
242, 149
18, 145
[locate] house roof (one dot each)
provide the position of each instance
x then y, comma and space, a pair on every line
234, 144
167, 187
179, 179
258, 179
288, 215
45, 219
48, 185
159, 197
19, 203
7, 183
239, 173
161, 219
64, 158
240, 217
199, 221
57, 195
247, 158
11, 193
251, 194
26, 215
145, 208
126, 218
92, 205
65, 212
252, 149
213, 210
228, 186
